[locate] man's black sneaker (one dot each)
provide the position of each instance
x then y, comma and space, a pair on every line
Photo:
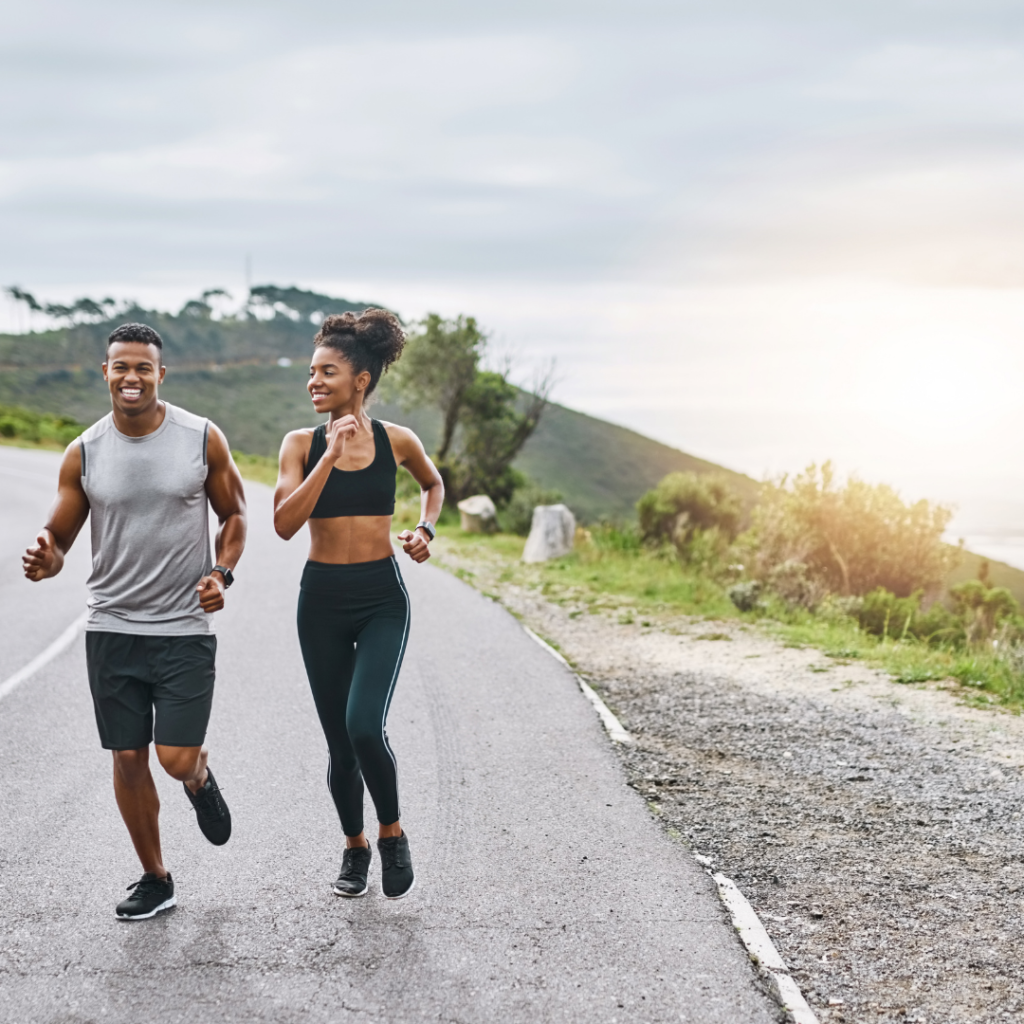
396, 877
355, 866
211, 812
149, 895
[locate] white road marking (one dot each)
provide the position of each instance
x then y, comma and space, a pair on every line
612, 725
61, 644
762, 950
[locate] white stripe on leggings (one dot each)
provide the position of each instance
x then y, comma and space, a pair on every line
394, 676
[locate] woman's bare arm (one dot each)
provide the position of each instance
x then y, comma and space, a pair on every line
295, 498
409, 452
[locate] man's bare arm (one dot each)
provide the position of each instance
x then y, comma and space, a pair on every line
227, 498
67, 516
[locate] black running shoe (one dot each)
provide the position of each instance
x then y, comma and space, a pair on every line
355, 866
211, 812
149, 895
396, 877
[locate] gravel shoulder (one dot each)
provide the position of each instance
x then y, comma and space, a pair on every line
875, 827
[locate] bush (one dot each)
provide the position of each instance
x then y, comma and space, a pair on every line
883, 614
517, 515
795, 584
698, 513
852, 539
21, 424
987, 611
745, 595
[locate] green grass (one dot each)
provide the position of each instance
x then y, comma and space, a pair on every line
638, 586
261, 468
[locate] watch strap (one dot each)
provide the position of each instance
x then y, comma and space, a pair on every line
424, 524
229, 576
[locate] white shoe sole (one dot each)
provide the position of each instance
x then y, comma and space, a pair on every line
350, 895
401, 896
166, 905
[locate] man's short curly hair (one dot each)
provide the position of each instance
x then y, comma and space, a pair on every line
371, 341
136, 332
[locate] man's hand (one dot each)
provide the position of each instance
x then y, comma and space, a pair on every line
211, 593
415, 545
43, 560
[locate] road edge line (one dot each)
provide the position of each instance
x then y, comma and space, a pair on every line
61, 644
611, 724
762, 950
752, 932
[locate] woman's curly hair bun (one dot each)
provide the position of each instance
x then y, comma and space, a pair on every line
370, 341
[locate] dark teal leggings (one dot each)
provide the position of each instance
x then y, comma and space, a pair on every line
353, 628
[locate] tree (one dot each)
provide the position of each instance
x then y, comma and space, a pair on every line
485, 419
438, 367
81, 311
20, 295
296, 303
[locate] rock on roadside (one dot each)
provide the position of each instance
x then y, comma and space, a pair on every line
552, 532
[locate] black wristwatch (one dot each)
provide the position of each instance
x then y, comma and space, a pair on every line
226, 573
429, 527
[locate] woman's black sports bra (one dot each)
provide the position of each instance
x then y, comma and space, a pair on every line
369, 491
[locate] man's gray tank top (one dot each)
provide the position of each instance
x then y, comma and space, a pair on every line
150, 526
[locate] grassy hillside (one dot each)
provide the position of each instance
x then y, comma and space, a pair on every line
601, 469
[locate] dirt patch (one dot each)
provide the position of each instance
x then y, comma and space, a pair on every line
875, 827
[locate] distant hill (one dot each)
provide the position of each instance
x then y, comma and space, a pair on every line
227, 369
599, 468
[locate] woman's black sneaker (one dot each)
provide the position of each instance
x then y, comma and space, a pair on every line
396, 877
149, 895
211, 812
355, 866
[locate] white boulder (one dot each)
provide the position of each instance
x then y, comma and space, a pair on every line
552, 531
478, 514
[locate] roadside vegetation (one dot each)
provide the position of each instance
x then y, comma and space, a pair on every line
43, 430
847, 568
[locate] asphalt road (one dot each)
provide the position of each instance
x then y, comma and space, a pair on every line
545, 890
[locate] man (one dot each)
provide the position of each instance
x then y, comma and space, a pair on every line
146, 472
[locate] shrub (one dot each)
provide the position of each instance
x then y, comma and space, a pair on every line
883, 614
745, 595
853, 538
26, 425
698, 513
796, 585
986, 611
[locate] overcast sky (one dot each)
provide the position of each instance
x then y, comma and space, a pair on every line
765, 232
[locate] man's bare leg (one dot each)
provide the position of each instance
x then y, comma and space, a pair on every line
189, 765
186, 764
139, 804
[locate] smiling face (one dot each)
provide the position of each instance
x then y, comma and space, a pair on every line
133, 371
333, 385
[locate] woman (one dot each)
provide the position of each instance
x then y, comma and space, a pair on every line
353, 607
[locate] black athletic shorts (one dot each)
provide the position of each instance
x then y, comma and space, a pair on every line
136, 678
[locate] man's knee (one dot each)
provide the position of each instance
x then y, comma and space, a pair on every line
178, 762
131, 766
